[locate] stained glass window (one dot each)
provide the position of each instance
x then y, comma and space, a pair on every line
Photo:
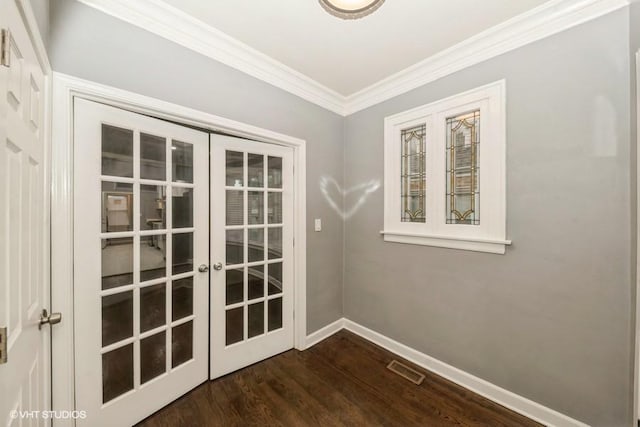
462, 169
413, 174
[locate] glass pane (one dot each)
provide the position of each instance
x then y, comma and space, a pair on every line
256, 170
463, 183
234, 168
153, 200
117, 372
117, 207
274, 210
182, 199
274, 172
275, 243
182, 165
413, 162
256, 319
152, 257
153, 155
255, 209
181, 343
235, 247
255, 286
256, 244
182, 253
414, 208
235, 207
275, 314
234, 286
153, 302
117, 151
182, 298
153, 356
117, 317
234, 325
275, 278
117, 262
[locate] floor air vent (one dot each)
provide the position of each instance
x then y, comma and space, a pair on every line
406, 372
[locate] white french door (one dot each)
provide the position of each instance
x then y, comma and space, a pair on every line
24, 238
152, 211
251, 252
141, 197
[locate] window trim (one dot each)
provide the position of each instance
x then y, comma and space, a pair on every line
490, 234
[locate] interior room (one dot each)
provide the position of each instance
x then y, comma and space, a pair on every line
319, 213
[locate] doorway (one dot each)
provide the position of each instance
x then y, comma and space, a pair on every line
156, 205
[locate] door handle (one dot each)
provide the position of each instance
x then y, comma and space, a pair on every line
217, 266
203, 268
52, 319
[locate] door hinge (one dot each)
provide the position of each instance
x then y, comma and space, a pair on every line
3, 345
5, 48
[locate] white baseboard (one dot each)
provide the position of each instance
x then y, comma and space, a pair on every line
516, 403
324, 333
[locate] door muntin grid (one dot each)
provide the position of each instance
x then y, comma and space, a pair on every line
147, 245
253, 259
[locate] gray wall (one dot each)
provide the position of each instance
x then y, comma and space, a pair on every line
550, 320
94, 46
41, 12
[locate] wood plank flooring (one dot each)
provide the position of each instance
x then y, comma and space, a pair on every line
342, 381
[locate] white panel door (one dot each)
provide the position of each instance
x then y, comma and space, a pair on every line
141, 229
252, 252
25, 379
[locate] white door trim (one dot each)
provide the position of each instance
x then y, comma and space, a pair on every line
65, 89
636, 377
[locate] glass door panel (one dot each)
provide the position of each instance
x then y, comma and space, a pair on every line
145, 297
247, 235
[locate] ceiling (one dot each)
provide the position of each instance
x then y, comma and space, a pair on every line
348, 56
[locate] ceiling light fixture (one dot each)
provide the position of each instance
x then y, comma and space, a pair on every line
351, 9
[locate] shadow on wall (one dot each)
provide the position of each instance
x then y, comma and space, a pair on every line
335, 195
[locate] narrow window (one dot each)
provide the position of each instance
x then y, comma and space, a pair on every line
462, 171
413, 174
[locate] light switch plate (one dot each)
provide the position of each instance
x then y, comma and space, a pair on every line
318, 224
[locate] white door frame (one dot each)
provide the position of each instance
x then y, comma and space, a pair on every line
65, 89
636, 376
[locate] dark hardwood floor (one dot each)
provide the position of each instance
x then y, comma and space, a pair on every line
342, 381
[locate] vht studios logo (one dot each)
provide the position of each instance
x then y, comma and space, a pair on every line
58, 415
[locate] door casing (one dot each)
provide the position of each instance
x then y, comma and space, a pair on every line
65, 90
636, 364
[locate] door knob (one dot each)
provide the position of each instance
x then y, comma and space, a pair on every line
51, 319
203, 268
217, 266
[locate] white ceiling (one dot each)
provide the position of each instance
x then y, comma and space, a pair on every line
348, 56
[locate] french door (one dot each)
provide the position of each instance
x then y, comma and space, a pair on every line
251, 252
155, 205
141, 229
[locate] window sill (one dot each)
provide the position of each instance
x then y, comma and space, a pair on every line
467, 244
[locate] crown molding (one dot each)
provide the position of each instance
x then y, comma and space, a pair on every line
543, 21
179, 27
